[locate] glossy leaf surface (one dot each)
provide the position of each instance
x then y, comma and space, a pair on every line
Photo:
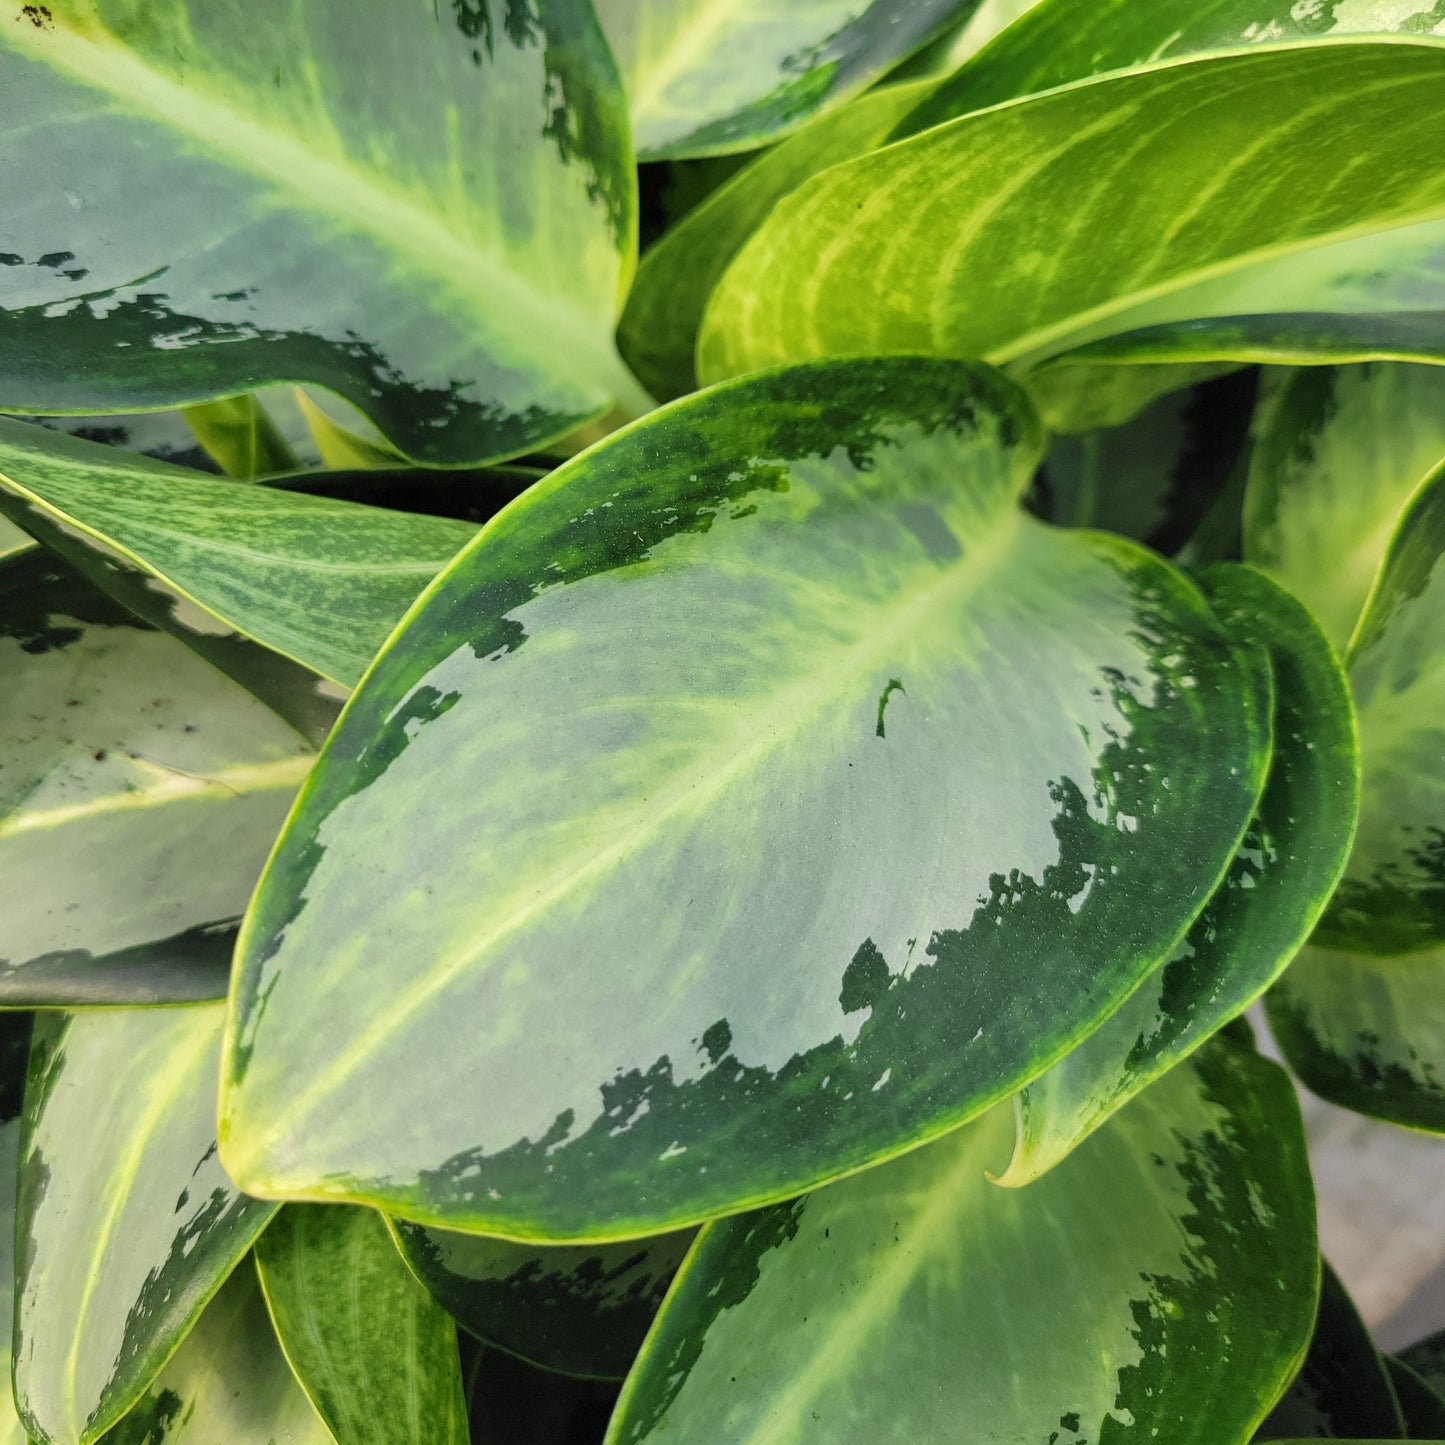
1275, 890
1367, 1032
1342, 1390
709, 76
659, 326
140, 792
321, 581
427, 209
1338, 453
1392, 898
375, 1353
165, 435
228, 1384
1370, 297
838, 769
579, 1309
1168, 198
1055, 43
901, 1302
126, 1222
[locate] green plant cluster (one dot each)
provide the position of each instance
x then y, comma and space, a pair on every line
674, 850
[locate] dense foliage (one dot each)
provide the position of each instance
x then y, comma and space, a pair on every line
773, 770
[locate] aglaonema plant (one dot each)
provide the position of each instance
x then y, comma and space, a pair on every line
597, 850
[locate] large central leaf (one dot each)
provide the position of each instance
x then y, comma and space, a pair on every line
760, 795
427, 208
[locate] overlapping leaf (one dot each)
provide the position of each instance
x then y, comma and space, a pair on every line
582, 1310
658, 330
240, 435
839, 772
915, 1300
1172, 212
1427, 1358
1421, 1408
228, 1383
1273, 895
709, 76
126, 1222
1156, 477
514, 1403
1338, 453
14, 1045
1367, 1032
1392, 897
427, 209
140, 792
374, 1352
1342, 1390
1055, 43
318, 580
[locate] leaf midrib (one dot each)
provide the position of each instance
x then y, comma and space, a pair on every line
919, 1247
179, 1073
794, 707
326, 183
172, 785
681, 48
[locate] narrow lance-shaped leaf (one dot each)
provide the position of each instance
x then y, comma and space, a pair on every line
917, 1302
1366, 1032
241, 436
1338, 452
228, 1384
126, 1222
140, 792
1376, 296
659, 326
1392, 897
1273, 895
579, 1309
837, 768
340, 447
318, 580
1169, 195
1342, 1390
709, 76
375, 1353
1382, 295
428, 209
